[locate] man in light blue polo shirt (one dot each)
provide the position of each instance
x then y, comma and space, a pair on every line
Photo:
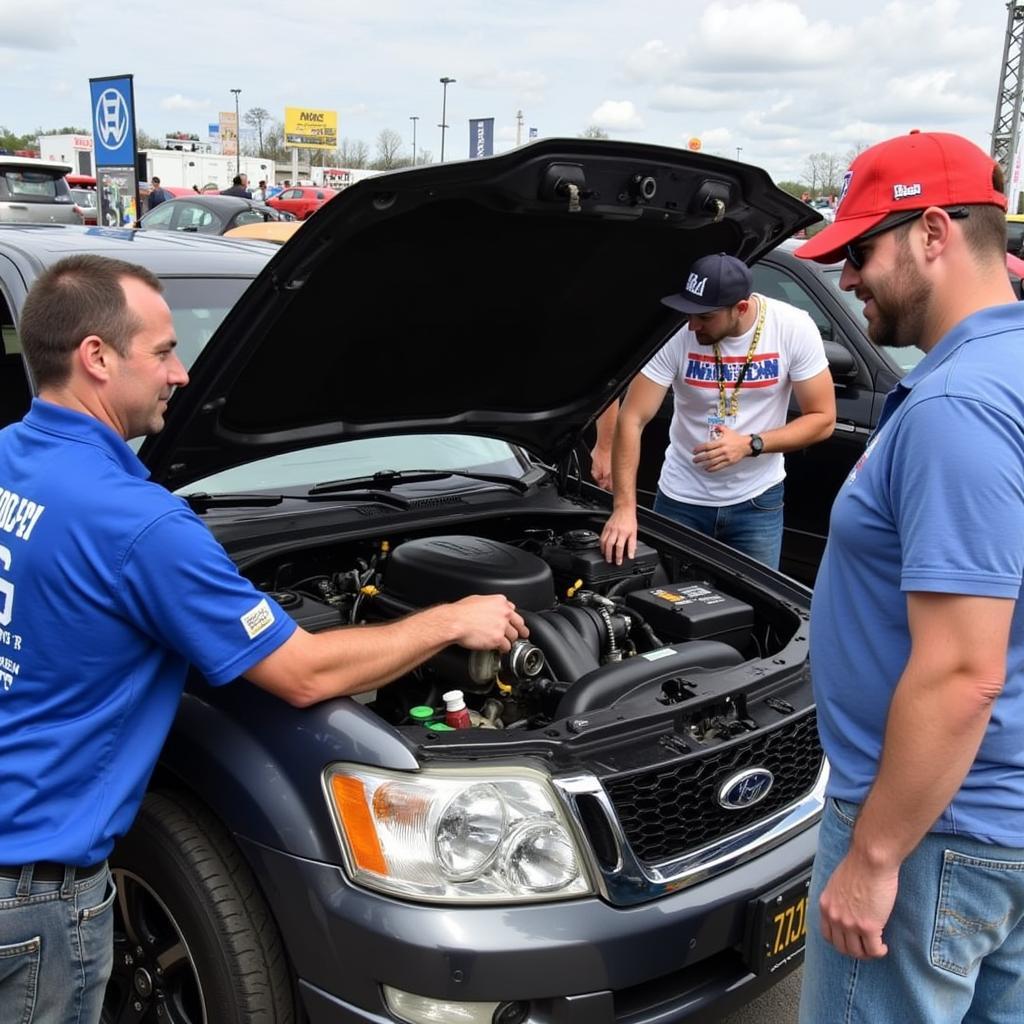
917, 642
109, 588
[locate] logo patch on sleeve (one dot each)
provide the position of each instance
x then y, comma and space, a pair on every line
257, 620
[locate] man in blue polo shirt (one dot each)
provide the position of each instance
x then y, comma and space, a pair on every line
109, 588
917, 642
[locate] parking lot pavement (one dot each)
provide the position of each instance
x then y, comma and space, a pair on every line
776, 1006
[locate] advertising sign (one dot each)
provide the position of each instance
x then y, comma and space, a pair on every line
228, 133
112, 101
481, 137
310, 129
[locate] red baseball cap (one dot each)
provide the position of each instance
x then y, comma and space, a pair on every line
911, 172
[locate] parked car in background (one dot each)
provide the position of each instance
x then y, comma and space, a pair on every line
863, 374
35, 192
86, 204
209, 215
302, 201
625, 832
1015, 233
279, 231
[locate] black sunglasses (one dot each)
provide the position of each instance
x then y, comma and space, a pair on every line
856, 254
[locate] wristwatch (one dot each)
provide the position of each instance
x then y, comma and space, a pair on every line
756, 444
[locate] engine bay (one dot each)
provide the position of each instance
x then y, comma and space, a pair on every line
602, 636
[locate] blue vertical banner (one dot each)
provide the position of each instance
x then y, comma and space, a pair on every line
112, 101
481, 137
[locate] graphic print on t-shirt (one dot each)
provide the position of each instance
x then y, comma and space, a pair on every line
702, 372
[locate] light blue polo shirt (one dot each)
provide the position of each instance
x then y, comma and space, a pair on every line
935, 504
109, 588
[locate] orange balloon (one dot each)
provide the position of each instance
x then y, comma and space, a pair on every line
693, 144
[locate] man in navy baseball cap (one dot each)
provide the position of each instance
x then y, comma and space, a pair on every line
732, 370
714, 282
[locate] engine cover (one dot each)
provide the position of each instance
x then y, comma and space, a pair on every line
433, 569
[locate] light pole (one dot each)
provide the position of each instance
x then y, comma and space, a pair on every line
739, 149
238, 147
414, 118
445, 82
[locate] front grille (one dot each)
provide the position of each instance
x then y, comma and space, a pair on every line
672, 811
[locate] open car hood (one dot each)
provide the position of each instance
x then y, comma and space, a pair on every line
510, 297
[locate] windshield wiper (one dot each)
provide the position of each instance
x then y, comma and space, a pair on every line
388, 478
200, 501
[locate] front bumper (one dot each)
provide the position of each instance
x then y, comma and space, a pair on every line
677, 958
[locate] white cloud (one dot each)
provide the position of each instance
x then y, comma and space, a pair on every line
179, 102
715, 138
617, 115
529, 85
653, 62
41, 25
688, 98
766, 34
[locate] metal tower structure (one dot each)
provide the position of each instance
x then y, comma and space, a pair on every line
1006, 127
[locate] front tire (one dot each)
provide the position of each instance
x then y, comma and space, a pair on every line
194, 940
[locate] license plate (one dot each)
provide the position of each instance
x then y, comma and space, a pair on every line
777, 926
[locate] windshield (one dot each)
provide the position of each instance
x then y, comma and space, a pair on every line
198, 305
344, 460
905, 358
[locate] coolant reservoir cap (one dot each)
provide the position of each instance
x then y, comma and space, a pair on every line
421, 712
577, 539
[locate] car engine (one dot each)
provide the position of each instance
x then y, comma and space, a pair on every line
600, 634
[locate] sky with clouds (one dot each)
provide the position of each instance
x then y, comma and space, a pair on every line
770, 80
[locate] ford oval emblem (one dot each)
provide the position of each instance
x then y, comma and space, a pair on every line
745, 789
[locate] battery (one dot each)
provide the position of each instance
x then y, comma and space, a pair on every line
694, 611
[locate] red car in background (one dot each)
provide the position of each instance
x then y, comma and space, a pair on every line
302, 200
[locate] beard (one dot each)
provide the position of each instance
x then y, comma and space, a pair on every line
901, 304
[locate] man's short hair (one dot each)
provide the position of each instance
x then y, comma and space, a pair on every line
76, 297
236, 180
155, 180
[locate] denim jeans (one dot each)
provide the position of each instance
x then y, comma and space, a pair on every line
753, 527
955, 937
56, 949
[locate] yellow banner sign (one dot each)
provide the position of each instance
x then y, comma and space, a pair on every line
310, 129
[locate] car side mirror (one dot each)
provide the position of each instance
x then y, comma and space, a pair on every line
840, 362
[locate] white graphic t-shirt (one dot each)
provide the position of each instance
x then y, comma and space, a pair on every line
789, 349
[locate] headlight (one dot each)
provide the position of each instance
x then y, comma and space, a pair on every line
446, 834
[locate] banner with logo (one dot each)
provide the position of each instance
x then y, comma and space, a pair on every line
112, 101
310, 129
481, 137
533, 133
228, 133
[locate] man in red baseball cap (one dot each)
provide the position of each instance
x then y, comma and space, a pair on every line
916, 909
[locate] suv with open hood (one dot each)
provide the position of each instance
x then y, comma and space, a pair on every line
389, 417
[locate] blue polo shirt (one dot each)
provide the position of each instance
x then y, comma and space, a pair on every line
109, 588
936, 503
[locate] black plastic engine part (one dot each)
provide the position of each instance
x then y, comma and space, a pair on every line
577, 556
694, 611
309, 614
605, 686
426, 571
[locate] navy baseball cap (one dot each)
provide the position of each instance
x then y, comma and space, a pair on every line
714, 282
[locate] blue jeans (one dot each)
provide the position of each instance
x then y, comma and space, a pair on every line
955, 938
753, 527
56, 949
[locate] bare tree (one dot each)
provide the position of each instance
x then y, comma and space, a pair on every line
257, 117
855, 151
389, 143
593, 132
352, 153
832, 168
